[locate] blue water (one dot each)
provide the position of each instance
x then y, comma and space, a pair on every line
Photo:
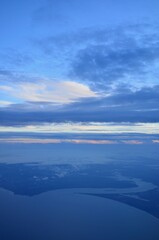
64, 215
80, 207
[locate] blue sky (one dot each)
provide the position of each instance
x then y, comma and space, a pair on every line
79, 62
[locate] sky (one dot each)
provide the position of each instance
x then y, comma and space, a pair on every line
79, 66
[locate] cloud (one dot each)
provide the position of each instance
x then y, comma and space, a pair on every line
155, 141
54, 141
133, 142
142, 99
113, 77
123, 102
105, 56
85, 128
119, 106
103, 64
5, 103
74, 141
61, 92
4, 72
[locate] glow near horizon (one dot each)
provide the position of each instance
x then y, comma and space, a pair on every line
87, 127
73, 141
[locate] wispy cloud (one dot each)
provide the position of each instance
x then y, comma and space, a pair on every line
5, 103
155, 141
133, 142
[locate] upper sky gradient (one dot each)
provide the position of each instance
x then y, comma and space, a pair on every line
79, 61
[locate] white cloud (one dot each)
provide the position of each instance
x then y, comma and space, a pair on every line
4, 103
61, 92
89, 127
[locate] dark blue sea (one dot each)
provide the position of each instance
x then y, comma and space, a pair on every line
79, 191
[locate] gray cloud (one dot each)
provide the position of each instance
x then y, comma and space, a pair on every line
27, 118
102, 64
5, 72
100, 57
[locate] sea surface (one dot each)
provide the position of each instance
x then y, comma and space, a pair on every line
79, 191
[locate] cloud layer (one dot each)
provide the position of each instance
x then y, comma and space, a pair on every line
85, 128
88, 70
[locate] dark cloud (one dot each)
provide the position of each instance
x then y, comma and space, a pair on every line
102, 56
121, 115
103, 64
144, 96
5, 72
